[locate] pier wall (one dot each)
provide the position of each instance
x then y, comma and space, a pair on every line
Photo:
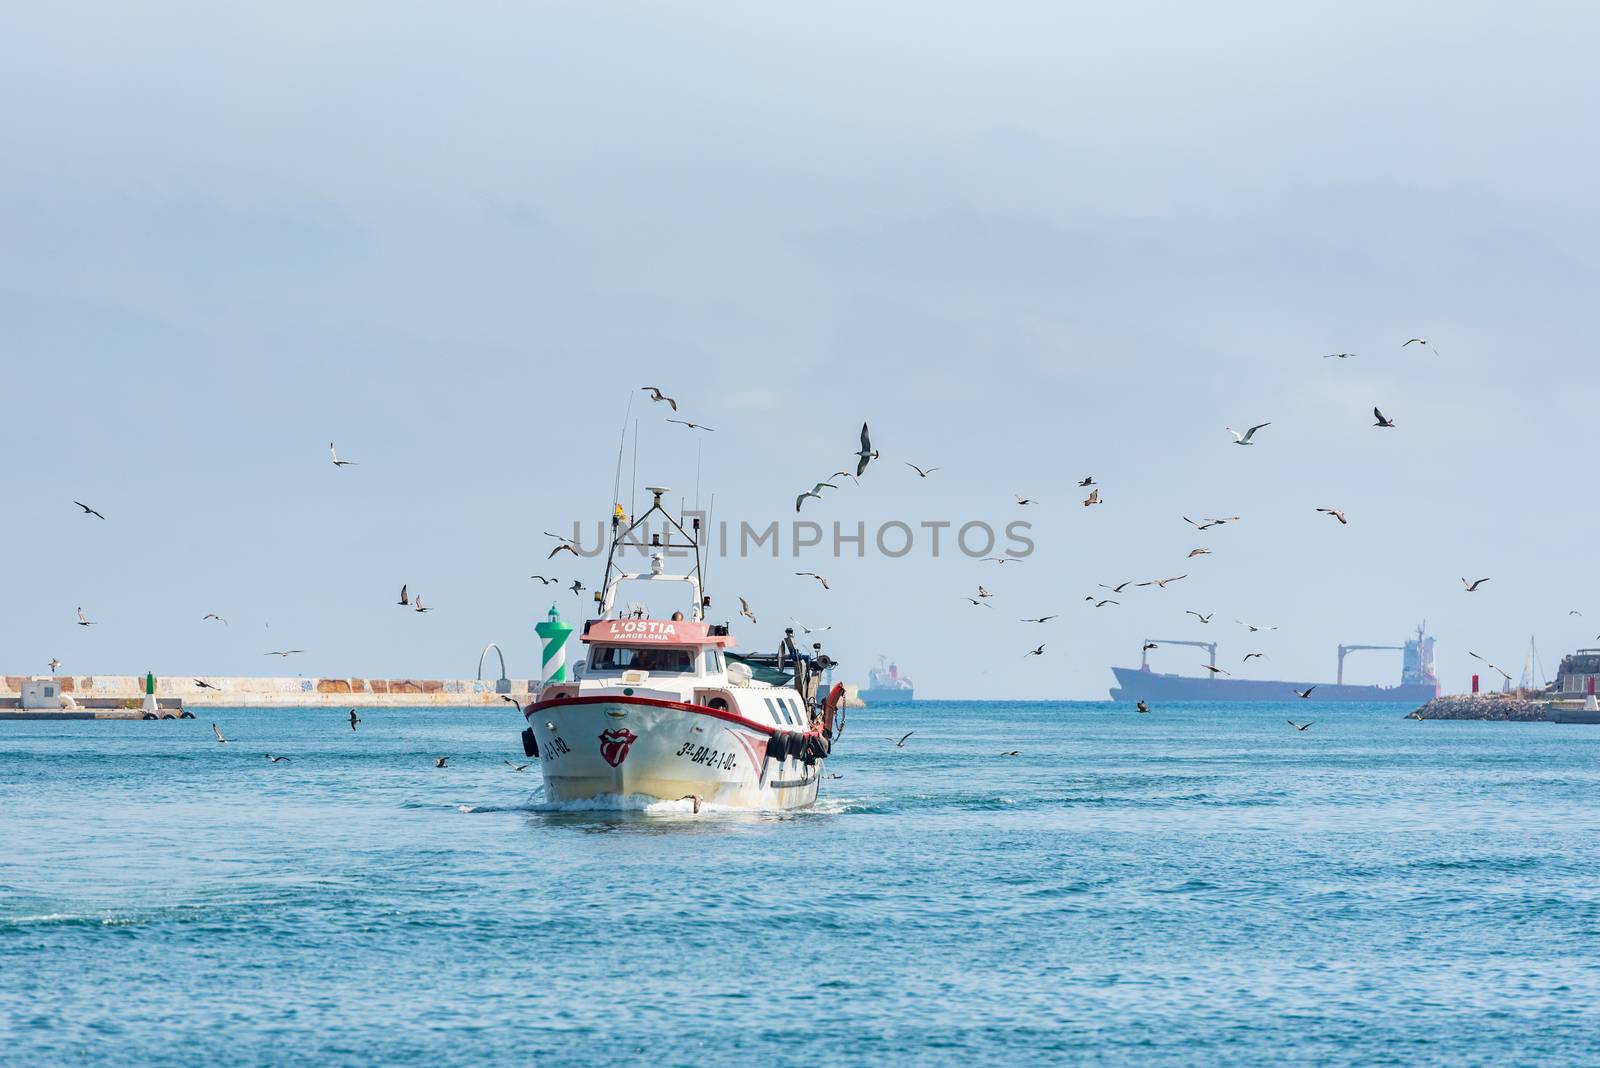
247, 692
1487, 706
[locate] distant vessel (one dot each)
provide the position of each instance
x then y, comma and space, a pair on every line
1418, 683
885, 685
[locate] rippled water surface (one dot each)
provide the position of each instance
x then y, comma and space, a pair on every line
1198, 885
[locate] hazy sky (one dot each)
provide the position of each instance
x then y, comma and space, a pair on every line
1027, 242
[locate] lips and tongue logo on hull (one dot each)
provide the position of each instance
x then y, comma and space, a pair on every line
614, 745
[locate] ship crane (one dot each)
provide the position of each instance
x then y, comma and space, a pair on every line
1343, 649
1144, 655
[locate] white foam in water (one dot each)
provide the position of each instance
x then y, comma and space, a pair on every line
636, 803
640, 803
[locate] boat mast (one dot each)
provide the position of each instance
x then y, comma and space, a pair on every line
619, 540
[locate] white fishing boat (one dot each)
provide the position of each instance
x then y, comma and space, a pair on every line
662, 709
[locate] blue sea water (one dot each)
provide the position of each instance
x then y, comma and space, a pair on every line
1198, 885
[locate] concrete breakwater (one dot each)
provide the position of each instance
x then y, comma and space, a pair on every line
244, 692
1488, 706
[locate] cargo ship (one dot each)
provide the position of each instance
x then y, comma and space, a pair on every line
885, 685
1418, 683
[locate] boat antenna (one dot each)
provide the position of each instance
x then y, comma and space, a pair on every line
711, 510
616, 482
633, 490
699, 448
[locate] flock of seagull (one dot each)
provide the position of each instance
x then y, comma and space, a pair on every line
865, 454
1249, 437
406, 599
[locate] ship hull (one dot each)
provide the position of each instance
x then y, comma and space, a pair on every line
616, 750
1136, 685
887, 697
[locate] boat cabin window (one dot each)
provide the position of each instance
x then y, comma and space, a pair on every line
666, 659
779, 711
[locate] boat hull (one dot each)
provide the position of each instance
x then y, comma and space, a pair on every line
1136, 685
594, 749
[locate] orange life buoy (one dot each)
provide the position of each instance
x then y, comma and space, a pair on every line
831, 705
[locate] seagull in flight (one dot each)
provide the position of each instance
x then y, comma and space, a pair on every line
1244, 439
975, 601
566, 547
1472, 587
83, 620
1002, 560
866, 454
1198, 552
1335, 513
1216, 670
1303, 695
1037, 619
405, 597
1086, 482
1147, 646
813, 574
354, 719
655, 395
814, 491
275, 759
213, 615
516, 767
1161, 584
1338, 355
1142, 706
1012, 752
810, 630
984, 593
1486, 660
1093, 498
1034, 652
744, 610
1252, 627
440, 762
87, 510
336, 461
204, 685
901, 744
920, 471
1021, 499
1202, 618
54, 663
1247, 656
1299, 726
1382, 421
419, 608
1118, 588
284, 652
218, 732
691, 426
1424, 342
1210, 522
577, 587
542, 581
1105, 601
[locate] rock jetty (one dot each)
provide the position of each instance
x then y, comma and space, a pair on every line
1494, 706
